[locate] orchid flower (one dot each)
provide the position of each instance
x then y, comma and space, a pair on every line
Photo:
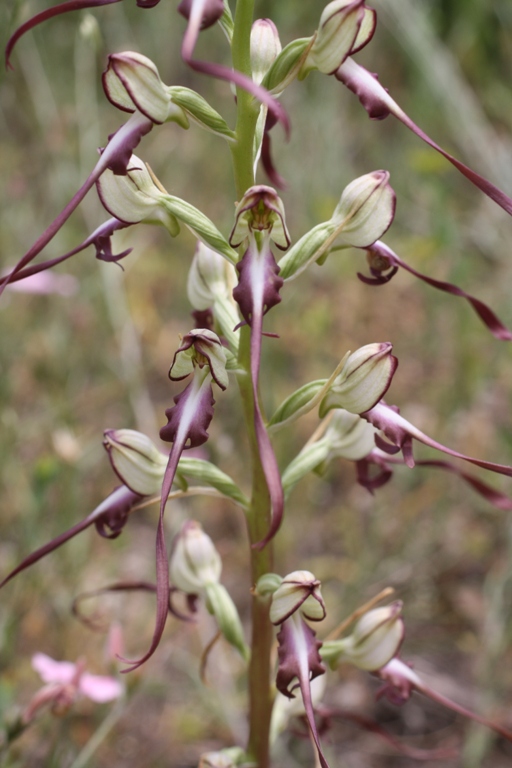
200, 354
400, 681
65, 682
296, 598
259, 218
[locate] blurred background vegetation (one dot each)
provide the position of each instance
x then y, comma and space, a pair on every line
73, 366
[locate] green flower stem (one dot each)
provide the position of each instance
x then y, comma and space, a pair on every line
258, 516
258, 521
248, 108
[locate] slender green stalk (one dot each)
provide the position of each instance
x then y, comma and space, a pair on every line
258, 516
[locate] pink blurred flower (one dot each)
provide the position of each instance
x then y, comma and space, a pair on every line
65, 682
46, 283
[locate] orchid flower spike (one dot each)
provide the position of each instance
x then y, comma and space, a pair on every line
259, 218
299, 596
400, 680
202, 355
65, 682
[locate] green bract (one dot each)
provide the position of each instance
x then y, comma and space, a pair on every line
198, 109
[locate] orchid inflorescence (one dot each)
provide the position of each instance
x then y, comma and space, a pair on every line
234, 280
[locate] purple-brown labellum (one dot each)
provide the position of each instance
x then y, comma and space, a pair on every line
401, 432
379, 104
401, 680
111, 513
100, 238
115, 156
188, 421
257, 292
382, 259
211, 11
299, 658
57, 10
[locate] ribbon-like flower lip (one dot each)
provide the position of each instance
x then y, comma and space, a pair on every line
109, 519
261, 209
401, 680
401, 433
300, 661
200, 347
211, 11
381, 259
379, 104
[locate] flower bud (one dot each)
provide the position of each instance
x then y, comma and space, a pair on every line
375, 640
131, 81
135, 197
366, 210
265, 47
194, 561
363, 381
136, 460
267, 584
300, 590
336, 35
207, 279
